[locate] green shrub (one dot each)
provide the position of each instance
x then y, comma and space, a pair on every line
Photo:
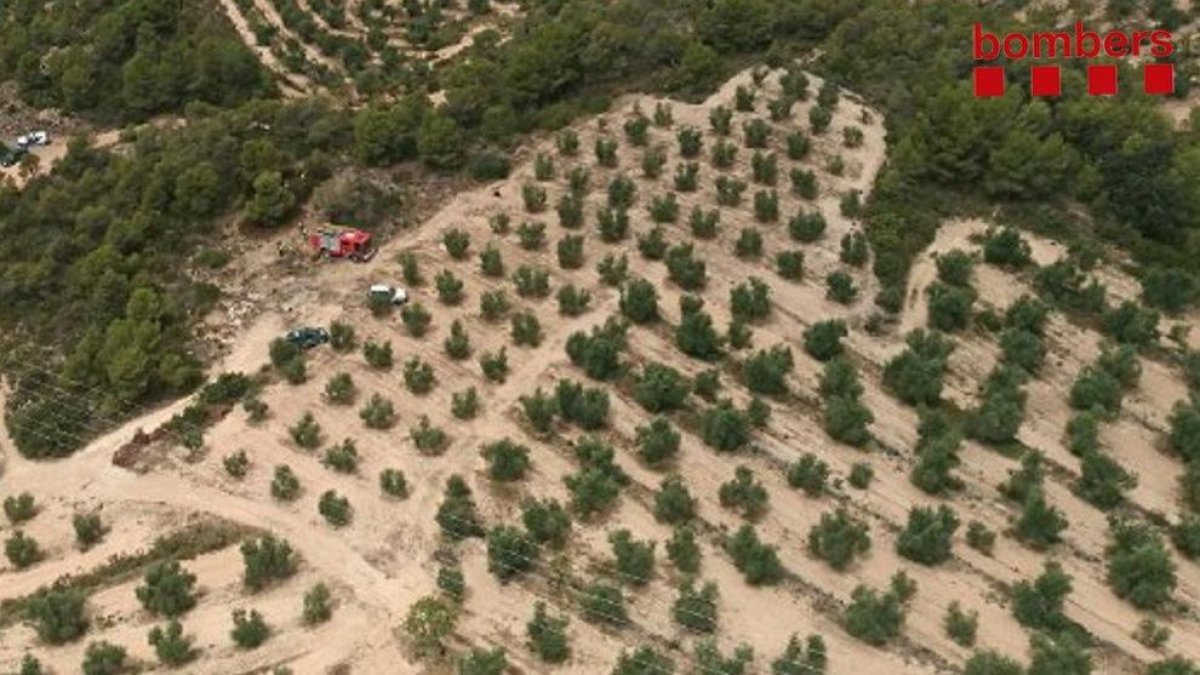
691, 141
531, 235
168, 590
507, 461
861, 475
927, 538
104, 658
457, 516
683, 551
342, 457
546, 521
457, 243
89, 529
495, 365
696, 609
393, 483
1140, 569
20, 508
1040, 525
841, 288
807, 657
744, 494
873, 617
307, 432
171, 646
418, 376
532, 282
790, 265
605, 604
285, 486
378, 413
464, 405
335, 509
838, 539
809, 474
22, 550
416, 321
822, 340
249, 629
915, 376
658, 442
318, 605
548, 635
378, 356
758, 562
510, 552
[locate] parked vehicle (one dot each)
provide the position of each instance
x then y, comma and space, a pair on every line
11, 156
349, 243
385, 293
307, 337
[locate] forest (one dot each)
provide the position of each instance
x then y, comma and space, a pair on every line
96, 245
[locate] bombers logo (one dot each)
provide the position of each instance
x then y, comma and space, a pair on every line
1079, 43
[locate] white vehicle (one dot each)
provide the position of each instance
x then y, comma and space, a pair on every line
396, 295
33, 138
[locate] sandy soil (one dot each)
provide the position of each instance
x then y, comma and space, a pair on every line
386, 559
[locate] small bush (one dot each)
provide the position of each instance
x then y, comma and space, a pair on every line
495, 365
532, 235
927, 537
510, 553
250, 630
307, 432
171, 646
532, 282
378, 356
960, 626
22, 550
457, 243
841, 288
334, 508
744, 494
838, 539
378, 413
507, 461
980, 538
285, 486
809, 474
342, 457
570, 252
790, 265
168, 590
318, 605
418, 376
393, 483
860, 476
104, 658
89, 529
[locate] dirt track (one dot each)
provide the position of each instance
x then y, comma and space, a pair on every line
384, 560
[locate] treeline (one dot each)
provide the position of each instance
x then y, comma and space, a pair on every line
91, 257
127, 60
1119, 155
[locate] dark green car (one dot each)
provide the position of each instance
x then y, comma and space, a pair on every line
307, 337
10, 156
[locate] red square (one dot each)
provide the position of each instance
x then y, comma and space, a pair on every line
1102, 80
1045, 81
1159, 78
989, 81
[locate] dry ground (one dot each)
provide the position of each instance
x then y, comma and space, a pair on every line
384, 560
